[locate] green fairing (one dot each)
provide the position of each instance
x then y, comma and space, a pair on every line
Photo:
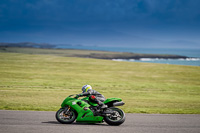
85, 115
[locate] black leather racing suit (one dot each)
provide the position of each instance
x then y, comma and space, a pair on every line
99, 98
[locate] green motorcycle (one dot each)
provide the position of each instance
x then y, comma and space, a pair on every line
84, 110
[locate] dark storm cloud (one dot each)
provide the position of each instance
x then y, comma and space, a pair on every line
132, 20
99, 10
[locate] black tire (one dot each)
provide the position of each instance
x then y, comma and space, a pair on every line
117, 119
68, 118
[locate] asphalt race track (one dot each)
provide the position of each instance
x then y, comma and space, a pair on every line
45, 122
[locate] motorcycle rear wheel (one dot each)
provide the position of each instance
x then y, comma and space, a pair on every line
117, 118
66, 118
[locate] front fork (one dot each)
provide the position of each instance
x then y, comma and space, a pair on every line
66, 110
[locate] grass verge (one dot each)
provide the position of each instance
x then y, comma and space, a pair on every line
41, 82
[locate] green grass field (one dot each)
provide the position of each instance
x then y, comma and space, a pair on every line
41, 82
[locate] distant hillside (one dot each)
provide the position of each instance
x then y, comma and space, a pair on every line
28, 45
86, 53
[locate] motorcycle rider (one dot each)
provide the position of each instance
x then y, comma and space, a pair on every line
94, 96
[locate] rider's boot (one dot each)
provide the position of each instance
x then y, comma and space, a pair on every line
102, 105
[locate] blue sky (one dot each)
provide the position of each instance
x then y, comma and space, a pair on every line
120, 23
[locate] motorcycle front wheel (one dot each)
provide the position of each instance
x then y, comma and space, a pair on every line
116, 118
66, 117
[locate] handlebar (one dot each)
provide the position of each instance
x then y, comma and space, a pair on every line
72, 95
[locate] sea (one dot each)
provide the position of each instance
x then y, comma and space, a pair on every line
192, 54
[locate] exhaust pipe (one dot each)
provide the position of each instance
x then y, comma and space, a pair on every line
118, 103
